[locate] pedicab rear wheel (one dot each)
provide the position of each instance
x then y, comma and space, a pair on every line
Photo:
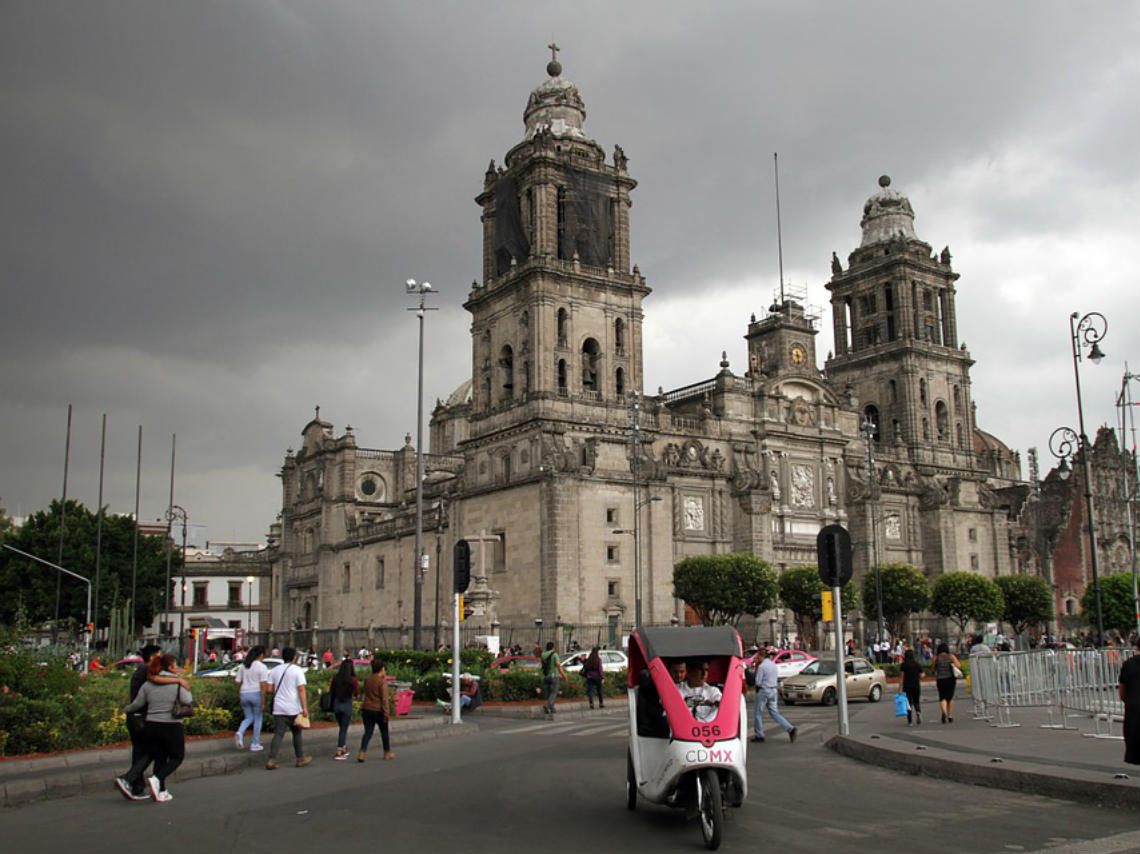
710, 807
630, 782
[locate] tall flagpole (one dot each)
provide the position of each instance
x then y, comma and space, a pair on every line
63, 510
135, 537
169, 522
779, 234
99, 522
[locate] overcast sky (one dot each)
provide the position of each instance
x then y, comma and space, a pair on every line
208, 209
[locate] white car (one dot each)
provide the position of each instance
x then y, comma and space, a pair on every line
612, 661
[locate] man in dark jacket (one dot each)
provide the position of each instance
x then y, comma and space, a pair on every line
136, 721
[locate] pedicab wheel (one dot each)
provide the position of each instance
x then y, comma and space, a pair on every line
876, 693
710, 808
630, 783
828, 698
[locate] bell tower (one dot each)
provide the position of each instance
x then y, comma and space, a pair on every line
557, 318
896, 338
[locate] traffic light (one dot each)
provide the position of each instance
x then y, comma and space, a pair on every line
462, 566
90, 628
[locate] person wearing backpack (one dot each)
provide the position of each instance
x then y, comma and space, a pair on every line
551, 672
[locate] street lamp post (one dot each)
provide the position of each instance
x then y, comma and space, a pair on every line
422, 289
635, 532
176, 512
1127, 407
1089, 330
249, 605
868, 428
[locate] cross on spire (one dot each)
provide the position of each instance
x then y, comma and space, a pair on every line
553, 51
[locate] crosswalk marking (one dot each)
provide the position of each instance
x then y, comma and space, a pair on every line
569, 729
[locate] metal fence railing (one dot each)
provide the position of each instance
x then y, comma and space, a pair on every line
1077, 684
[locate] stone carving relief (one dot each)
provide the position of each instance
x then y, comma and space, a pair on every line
803, 486
802, 413
694, 518
832, 499
892, 525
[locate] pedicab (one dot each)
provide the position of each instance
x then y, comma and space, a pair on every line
682, 755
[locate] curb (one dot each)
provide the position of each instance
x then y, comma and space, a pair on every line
70, 774
1071, 784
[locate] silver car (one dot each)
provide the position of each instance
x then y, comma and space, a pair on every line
816, 683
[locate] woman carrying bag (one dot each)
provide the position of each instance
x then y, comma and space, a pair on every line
946, 671
342, 689
166, 705
910, 684
252, 679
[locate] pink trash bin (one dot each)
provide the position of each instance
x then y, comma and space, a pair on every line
404, 702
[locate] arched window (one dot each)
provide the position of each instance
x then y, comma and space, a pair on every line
871, 413
619, 382
958, 430
942, 421
507, 367
922, 392
590, 351
562, 324
619, 336
926, 429
562, 376
957, 399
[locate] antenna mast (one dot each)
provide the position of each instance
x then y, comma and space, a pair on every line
779, 236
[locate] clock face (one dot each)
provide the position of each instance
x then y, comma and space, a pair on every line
799, 354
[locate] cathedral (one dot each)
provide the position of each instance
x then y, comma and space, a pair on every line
578, 491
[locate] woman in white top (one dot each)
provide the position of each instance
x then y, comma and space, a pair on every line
252, 678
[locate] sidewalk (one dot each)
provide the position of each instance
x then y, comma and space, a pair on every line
1027, 758
76, 772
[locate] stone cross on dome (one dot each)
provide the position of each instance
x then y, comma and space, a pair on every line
554, 67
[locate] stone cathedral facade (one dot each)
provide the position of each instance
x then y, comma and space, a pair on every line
542, 458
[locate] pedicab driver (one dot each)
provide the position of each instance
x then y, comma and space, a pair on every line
700, 696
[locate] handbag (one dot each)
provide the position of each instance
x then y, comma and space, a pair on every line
957, 671
180, 709
302, 721
901, 705
326, 701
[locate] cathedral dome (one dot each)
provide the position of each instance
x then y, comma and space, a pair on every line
887, 215
461, 395
555, 105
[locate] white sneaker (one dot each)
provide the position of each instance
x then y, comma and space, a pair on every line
155, 787
125, 788
239, 741
163, 797
254, 748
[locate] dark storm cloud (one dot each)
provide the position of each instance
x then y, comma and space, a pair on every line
209, 208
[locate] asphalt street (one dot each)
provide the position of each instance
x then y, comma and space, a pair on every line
558, 786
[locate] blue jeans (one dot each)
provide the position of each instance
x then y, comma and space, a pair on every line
342, 711
251, 707
766, 699
551, 684
594, 686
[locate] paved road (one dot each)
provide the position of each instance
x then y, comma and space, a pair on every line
538, 785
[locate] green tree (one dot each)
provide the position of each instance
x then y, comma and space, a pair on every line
7, 526
1116, 603
965, 596
1028, 601
799, 591
905, 591
722, 588
28, 587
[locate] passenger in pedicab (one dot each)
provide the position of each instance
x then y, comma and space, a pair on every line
701, 697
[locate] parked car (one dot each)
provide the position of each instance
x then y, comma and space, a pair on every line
217, 671
789, 662
816, 683
613, 660
515, 662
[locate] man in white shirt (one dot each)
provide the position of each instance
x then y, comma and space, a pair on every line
702, 698
289, 700
767, 676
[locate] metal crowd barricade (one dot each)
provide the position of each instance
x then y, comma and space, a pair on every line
1067, 683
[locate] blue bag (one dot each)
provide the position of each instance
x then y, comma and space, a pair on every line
901, 705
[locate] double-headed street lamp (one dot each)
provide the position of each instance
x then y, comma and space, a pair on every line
635, 531
1088, 330
422, 289
869, 429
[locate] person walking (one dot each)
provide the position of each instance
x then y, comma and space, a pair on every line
1128, 689
136, 721
163, 733
767, 697
594, 675
945, 663
910, 683
252, 678
289, 700
343, 688
374, 712
551, 671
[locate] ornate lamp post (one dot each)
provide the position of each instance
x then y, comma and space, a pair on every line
1088, 330
868, 429
422, 289
176, 512
249, 605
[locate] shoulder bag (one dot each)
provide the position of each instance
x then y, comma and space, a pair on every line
179, 709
